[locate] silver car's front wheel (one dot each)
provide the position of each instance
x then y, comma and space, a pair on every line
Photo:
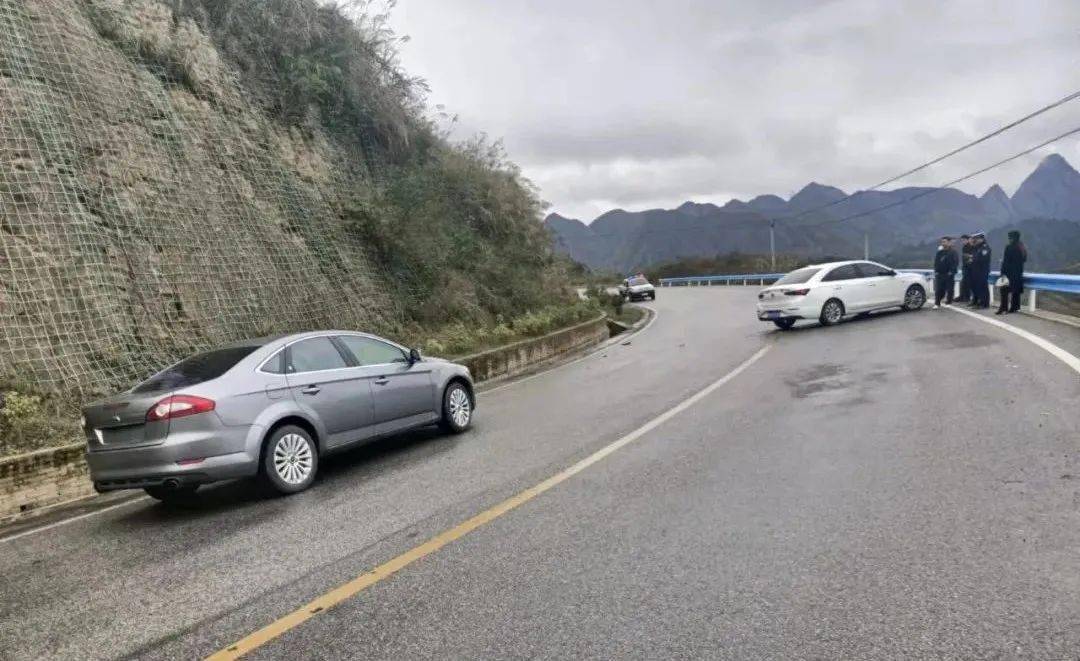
291, 460
457, 408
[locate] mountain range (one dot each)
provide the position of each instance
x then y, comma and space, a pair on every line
627, 241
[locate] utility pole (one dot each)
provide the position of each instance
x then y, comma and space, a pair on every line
866, 246
772, 243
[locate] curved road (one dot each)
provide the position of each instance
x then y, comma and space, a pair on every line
905, 485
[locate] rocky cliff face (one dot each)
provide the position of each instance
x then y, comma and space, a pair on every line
147, 209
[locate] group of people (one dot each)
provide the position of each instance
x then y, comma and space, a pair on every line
975, 282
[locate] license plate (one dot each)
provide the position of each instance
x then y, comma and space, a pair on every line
772, 314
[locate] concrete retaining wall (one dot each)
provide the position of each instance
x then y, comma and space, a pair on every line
34, 482
529, 355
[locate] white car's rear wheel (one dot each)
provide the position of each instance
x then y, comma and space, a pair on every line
832, 312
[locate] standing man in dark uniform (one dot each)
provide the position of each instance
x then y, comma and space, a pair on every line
967, 249
980, 272
945, 262
1012, 267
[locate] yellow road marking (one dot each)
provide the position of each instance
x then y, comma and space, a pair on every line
389, 568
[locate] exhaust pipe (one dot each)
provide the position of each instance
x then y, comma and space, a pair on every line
171, 483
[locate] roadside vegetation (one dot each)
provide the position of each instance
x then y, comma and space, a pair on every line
724, 264
330, 151
613, 304
461, 339
33, 421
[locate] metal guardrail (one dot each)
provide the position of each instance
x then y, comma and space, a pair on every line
707, 280
1056, 282
1033, 282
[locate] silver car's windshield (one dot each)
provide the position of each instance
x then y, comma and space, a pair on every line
798, 277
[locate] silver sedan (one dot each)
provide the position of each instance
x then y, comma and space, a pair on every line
270, 407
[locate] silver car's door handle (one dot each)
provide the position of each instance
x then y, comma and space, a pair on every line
311, 390
382, 381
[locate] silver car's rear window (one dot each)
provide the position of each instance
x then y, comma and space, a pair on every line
797, 277
637, 281
195, 369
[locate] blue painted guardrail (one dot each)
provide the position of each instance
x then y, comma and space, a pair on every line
705, 280
1033, 282
1056, 282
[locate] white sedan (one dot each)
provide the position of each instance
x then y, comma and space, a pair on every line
829, 292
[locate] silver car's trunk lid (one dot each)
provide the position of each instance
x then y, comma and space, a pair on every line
120, 421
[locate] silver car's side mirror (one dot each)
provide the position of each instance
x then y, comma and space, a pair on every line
414, 355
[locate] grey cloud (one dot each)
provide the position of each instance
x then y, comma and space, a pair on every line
635, 102
621, 137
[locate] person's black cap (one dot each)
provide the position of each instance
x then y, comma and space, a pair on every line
946, 238
1014, 234
965, 236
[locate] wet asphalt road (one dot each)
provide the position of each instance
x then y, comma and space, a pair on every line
905, 485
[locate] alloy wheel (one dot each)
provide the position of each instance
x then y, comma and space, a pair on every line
914, 298
293, 458
460, 406
833, 312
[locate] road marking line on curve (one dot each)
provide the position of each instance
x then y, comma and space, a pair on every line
590, 354
1054, 350
80, 517
389, 568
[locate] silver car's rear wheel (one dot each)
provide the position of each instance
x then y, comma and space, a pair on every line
293, 458
290, 460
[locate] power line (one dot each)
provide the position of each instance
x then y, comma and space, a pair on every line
847, 196
937, 189
749, 224
996, 132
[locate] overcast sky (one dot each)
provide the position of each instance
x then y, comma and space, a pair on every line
640, 103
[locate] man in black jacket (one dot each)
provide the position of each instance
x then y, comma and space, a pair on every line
980, 272
945, 262
1012, 268
967, 249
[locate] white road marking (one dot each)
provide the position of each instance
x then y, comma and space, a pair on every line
1054, 350
391, 567
73, 519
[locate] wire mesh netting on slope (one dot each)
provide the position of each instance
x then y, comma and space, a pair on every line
146, 209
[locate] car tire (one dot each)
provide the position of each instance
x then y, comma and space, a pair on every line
652, 296
177, 496
832, 312
290, 460
457, 408
914, 298
784, 324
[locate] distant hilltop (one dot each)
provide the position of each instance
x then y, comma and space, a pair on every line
629, 240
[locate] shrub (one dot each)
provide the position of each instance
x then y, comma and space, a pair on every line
31, 422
